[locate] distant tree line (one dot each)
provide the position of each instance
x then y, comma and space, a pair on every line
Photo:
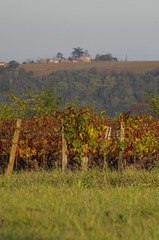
76, 54
111, 91
106, 57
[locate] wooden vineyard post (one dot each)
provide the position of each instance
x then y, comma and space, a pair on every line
14, 148
135, 155
64, 151
84, 161
107, 136
121, 154
108, 133
84, 158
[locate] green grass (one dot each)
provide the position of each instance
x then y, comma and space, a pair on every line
80, 205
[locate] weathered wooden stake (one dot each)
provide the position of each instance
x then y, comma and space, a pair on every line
107, 136
14, 148
84, 161
121, 154
108, 133
64, 151
84, 158
135, 155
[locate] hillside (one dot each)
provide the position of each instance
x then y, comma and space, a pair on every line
110, 86
138, 66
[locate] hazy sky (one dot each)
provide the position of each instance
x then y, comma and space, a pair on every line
30, 29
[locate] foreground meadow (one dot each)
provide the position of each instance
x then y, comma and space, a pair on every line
80, 205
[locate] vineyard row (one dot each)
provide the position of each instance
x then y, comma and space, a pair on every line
89, 139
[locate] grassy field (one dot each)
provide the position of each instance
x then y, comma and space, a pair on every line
81, 205
46, 68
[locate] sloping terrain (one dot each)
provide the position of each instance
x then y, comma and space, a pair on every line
138, 66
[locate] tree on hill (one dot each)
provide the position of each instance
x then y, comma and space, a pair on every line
77, 52
59, 56
13, 65
106, 57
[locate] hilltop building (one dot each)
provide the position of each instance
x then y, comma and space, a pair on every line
85, 58
3, 64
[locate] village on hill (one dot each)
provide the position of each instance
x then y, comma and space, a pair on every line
82, 58
77, 55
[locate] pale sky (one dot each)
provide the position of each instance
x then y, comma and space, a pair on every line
30, 29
